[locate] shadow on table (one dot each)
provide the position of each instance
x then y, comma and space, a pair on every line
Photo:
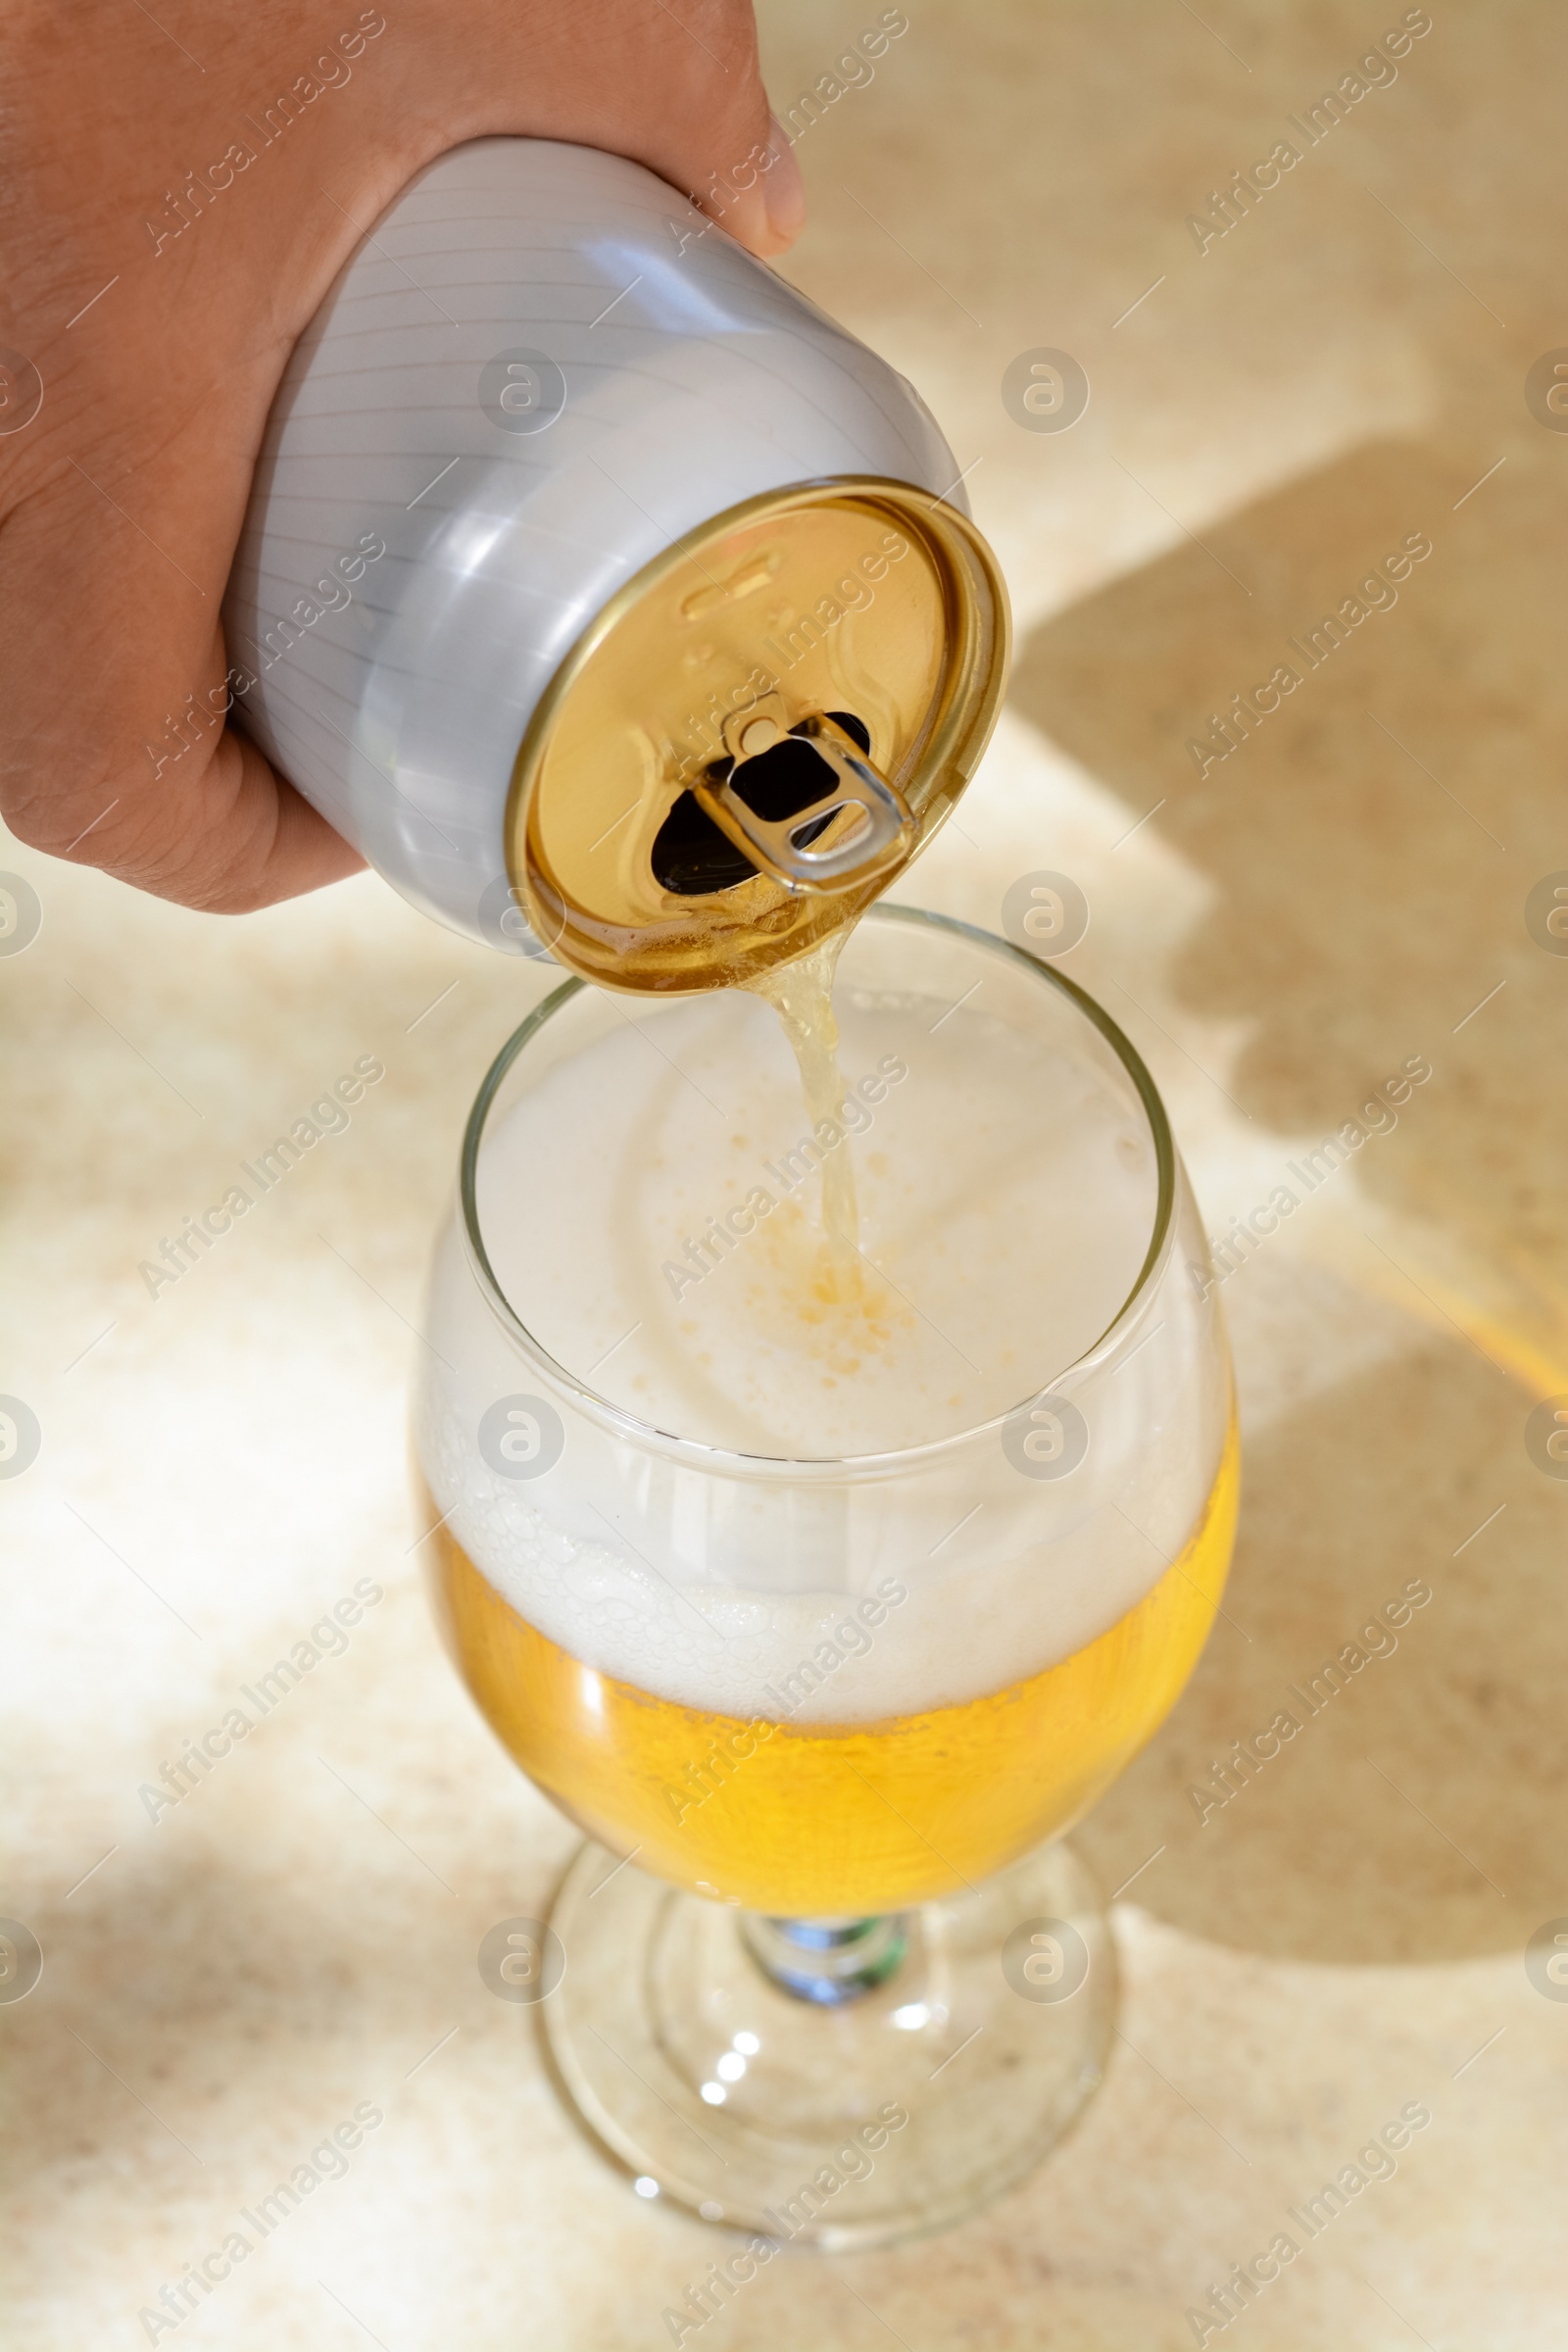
1372, 845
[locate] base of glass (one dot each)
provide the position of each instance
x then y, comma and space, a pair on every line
832, 2122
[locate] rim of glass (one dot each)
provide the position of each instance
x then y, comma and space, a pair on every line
647, 1434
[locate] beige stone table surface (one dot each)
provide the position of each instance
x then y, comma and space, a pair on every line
1273, 411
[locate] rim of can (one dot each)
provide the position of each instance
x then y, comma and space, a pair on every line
980, 626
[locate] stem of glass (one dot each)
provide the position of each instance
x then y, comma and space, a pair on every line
828, 1961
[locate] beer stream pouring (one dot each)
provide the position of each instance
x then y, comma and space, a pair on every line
612, 599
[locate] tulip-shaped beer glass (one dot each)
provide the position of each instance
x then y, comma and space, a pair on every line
824, 1588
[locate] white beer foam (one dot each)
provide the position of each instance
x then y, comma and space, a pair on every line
1008, 1194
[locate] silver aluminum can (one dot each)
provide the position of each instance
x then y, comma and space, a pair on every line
542, 380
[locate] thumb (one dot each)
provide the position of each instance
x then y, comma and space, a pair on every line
724, 145
768, 213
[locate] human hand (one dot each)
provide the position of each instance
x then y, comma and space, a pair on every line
158, 349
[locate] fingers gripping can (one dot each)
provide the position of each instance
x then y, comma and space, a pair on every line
609, 597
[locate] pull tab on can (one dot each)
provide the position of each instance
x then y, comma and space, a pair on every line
858, 827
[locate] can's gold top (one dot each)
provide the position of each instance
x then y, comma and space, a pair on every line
757, 733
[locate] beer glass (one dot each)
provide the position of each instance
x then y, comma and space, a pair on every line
825, 1972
